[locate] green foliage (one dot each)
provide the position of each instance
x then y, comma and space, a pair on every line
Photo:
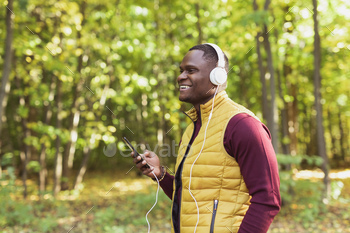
7, 161
304, 198
298, 159
17, 214
47, 224
308, 203
130, 213
106, 217
12, 212
124, 211
21, 214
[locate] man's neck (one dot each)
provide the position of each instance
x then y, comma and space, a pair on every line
197, 106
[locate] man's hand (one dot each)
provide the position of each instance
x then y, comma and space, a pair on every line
153, 161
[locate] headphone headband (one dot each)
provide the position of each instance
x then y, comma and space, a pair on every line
221, 57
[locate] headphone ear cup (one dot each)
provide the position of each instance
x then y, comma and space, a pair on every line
218, 76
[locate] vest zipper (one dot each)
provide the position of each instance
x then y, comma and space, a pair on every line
215, 207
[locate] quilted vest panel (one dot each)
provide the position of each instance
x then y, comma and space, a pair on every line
215, 175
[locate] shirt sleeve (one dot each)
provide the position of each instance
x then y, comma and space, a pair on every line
167, 185
249, 142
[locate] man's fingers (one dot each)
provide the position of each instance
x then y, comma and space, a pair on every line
147, 171
140, 164
145, 162
146, 154
149, 154
137, 159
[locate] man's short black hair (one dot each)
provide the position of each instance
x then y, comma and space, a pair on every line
210, 54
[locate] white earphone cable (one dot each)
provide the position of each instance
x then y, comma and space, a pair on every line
149, 226
205, 135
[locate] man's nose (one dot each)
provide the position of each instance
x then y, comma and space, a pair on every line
182, 76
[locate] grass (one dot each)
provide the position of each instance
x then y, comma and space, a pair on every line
104, 204
110, 202
306, 212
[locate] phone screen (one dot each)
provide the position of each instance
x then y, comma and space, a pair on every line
134, 150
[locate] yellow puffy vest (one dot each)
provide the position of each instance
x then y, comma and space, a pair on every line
216, 178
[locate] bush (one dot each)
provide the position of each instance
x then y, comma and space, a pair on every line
302, 198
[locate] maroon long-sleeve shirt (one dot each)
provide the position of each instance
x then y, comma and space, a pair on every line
249, 142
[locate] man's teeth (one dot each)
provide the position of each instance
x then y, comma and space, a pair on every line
184, 87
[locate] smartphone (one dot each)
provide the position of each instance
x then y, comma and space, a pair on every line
135, 152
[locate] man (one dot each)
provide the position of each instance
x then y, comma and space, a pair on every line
226, 174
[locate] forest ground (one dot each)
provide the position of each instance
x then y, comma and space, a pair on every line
115, 202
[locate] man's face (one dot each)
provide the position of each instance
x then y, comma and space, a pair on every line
194, 82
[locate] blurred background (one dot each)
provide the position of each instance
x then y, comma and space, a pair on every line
77, 76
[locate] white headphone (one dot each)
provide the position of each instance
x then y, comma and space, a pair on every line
218, 75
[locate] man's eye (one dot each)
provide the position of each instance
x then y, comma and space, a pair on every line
191, 71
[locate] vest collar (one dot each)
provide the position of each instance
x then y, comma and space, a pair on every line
205, 108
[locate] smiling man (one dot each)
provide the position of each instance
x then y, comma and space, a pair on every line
226, 173
194, 88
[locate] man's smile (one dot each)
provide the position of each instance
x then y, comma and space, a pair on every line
184, 87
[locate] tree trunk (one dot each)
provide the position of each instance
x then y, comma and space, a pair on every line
284, 120
82, 170
25, 152
262, 72
198, 24
293, 117
333, 147
341, 140
273, 116
42, 155
58, 155
75, 114
289, 111
87, 148
5, 84
321, 144
312, 145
